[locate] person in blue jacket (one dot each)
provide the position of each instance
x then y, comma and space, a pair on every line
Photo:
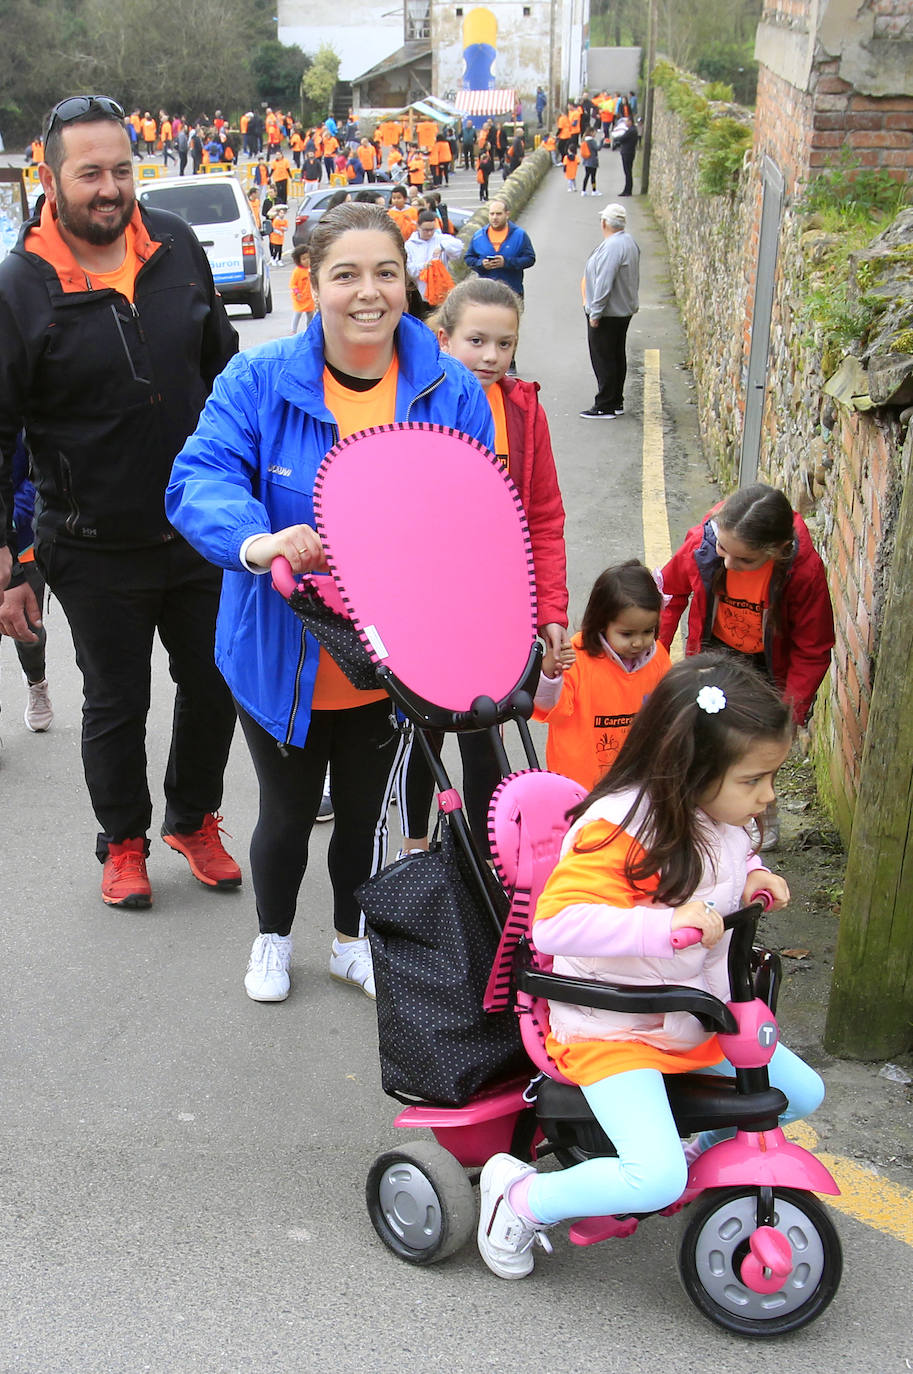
502, 251
241, 492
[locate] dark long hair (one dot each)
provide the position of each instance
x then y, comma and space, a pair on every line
674, 754
622, 585
761, 517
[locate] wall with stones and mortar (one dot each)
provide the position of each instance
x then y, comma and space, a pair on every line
841, 468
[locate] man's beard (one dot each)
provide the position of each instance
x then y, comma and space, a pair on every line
78, 222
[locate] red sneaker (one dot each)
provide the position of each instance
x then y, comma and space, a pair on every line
124, 881
204, 851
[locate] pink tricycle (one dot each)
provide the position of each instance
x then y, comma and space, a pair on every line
759, 1254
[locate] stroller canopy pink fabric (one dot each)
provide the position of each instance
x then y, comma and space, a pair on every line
427, 540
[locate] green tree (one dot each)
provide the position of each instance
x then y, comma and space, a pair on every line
319, 82
277, 70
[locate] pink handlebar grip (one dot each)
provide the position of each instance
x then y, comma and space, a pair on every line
283, 577
686, 936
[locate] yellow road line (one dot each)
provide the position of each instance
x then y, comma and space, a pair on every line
864, 1195
657, 544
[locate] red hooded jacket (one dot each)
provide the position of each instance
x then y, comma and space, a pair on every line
532, 469
798, 652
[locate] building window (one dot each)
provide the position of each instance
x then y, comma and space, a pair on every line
459, 13
526, 11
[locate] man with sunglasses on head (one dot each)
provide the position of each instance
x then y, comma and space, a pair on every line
111, 335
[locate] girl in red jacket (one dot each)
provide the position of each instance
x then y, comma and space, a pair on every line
758, 589
478, 323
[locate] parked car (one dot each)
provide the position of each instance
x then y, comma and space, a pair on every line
314, 205
217, 210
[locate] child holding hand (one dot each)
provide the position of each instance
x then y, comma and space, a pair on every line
659, 844
590, 695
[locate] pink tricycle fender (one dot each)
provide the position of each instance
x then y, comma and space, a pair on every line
760, 1159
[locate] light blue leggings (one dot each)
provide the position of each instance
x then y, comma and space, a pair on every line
650, 1171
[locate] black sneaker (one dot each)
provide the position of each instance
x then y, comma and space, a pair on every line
594, 414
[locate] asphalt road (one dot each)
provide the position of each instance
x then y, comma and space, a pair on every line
182, 1169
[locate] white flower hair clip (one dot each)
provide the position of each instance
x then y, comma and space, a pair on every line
711, 699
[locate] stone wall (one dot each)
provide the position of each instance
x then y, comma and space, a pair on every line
840, 467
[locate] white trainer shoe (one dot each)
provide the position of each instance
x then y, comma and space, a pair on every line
506, 1240
267, 977
38, 712
351, 962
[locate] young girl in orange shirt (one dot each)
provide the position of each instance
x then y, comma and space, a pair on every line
300, 285
659, 844
590, 692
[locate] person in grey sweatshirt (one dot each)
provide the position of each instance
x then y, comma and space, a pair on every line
611, 282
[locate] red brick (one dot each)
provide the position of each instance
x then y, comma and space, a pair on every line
864, 119
832, 85
852, 685
897, 158
875, 138
825, 103
887, 103
824, 138
899, 121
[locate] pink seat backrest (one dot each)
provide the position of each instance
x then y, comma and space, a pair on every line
527, 822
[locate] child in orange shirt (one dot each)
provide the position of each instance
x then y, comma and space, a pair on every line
571, 164
278, 223
659, 844
300, 284
591, 690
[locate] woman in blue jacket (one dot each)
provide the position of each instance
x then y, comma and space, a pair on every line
242, 493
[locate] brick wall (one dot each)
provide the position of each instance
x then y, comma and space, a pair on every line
840, 468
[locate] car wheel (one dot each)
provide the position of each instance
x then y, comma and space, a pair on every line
258, 303
269, 299
420, 1202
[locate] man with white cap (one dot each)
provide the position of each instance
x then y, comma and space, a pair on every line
610, 284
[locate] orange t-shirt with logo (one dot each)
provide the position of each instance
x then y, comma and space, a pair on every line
502, 445
352, 411
739, 620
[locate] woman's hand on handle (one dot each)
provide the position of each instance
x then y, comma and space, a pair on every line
762, 880
698, 916
300, 544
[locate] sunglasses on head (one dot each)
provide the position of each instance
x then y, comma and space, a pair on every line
75, 106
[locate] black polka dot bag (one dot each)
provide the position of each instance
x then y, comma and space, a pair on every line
433, 944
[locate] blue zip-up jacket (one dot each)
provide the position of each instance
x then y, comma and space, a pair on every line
249, 468
516, 250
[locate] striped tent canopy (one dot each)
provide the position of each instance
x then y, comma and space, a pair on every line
486, 102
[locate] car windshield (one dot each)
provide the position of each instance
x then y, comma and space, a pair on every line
197, 203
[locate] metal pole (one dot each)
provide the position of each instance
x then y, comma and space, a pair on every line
648, 99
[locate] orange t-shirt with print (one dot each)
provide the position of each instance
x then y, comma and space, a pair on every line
739, 620
352, 411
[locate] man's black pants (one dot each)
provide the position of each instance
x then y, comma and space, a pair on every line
114, 602
607, 355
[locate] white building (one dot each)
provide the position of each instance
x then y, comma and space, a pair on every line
393, 54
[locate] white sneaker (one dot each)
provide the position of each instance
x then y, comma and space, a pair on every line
267, 979
506, 1240
351, 962
38, 712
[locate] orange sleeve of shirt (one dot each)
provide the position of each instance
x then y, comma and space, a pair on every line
594, 875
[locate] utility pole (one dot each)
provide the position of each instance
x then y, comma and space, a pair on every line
652, 21
871, 1007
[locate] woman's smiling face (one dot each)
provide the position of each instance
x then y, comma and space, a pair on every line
361, 295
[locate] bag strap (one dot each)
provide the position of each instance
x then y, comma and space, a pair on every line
497, 990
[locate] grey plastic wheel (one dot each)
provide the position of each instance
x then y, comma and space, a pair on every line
716, 1241
420, 1202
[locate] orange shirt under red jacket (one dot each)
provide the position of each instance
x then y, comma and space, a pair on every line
593, 715
798, 626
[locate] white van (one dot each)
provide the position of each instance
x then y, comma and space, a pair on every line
218, 212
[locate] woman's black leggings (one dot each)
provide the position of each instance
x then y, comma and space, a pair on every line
481, 776
589, 175
362, 748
